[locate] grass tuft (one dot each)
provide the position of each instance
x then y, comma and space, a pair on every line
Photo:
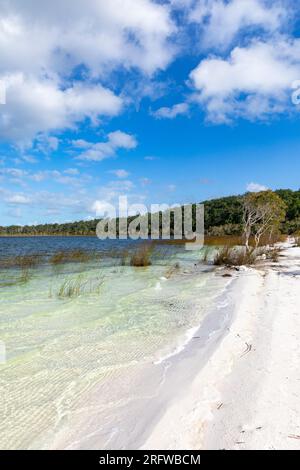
297, 241
75, 256
230, 256
141, 257
172, 270
75, 287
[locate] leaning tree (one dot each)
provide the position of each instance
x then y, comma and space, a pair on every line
263, 213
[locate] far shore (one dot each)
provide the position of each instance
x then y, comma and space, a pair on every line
22, 235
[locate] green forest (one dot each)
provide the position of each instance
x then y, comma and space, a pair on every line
223, 216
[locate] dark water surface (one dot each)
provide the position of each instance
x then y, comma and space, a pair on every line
15, 246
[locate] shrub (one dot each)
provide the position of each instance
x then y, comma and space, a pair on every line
274, 254
229, 256
141, 257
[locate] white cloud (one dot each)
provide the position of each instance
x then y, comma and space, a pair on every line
39, 106
253, 82
46, 143
101, 208
57, 36
103, 150
119, 186
72, 171
119, 139
145, 181
17, 199
172, 112
222, 20
120, 173
256, 187
42, 43
28, 159
150, 158
68, 177
80, 143
13, 172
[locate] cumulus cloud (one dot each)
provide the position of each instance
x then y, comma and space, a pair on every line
39, 106
41, 44
252, 82
172, 112
103, 150
256, 187
58, 36
222, 20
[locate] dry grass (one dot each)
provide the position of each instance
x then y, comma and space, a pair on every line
141, 257
205, 254
230, 256
231, 240
24, 264
268, 240
75, 287
24, 277
227, 240
74, 256
297, 241
22, 261
124, 256
274, 254
172, 270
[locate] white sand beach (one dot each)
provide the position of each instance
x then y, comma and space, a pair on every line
247, 395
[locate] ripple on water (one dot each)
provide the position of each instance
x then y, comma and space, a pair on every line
59, 348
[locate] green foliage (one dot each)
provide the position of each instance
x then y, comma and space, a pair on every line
223, 216
263, 213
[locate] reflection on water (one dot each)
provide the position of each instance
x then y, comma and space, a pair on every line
58, 347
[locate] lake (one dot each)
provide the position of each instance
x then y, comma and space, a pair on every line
79, 366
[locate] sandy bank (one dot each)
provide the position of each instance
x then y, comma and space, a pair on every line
247, 396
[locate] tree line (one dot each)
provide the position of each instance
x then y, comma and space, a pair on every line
223, 216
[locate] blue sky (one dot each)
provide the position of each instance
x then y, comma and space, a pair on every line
162, 101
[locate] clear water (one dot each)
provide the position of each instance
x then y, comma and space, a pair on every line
59, 348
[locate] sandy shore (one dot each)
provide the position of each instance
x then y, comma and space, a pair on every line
247, 395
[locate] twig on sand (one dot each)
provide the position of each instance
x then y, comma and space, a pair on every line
294, 436
247, 350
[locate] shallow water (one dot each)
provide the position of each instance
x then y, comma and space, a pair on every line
59, 350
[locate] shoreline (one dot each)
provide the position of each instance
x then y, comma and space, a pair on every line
246, 396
